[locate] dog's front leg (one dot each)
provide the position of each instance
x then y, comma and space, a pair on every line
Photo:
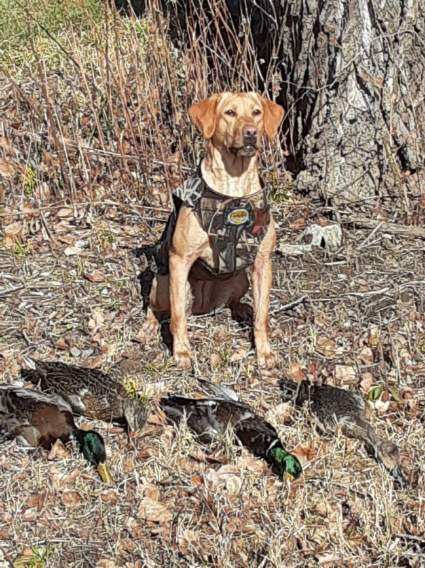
261, 285
179, 273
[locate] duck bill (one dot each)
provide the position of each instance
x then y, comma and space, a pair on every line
104, 473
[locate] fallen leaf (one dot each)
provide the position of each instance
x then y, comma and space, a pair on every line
61, 343
7, 168
58, 451
375, 393
238, 355
366, 382
64, 212
110, 496
298, 224
30, 515
366, 356
97, 320
152, 510
219, 477
95, 276
381, 406
186, 540
215, 360
103, 563
296, 372
345, 374
151, 491
157, 418
326, 346
36, 500
135, 528
72, 251
13, 233
304, 453
71, 499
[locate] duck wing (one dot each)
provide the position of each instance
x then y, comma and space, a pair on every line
223, 392
20, 401
331, 405
210, 417
89, 391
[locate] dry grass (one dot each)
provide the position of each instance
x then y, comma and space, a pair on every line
90, 144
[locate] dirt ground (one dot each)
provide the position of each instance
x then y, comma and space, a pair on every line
72, 293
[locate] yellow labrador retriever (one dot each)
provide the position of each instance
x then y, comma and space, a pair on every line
221, 225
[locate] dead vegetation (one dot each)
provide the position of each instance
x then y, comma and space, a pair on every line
93, 135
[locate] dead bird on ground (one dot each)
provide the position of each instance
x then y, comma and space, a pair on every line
36, 419
90, 392
332, 407
210, 417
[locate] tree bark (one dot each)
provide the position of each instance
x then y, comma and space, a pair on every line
353, 76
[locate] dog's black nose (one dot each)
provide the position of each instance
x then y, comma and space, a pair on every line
250, 134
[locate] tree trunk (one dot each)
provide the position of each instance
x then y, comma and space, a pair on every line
350, 75
353, 77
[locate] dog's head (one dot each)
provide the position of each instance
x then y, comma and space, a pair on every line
237, 121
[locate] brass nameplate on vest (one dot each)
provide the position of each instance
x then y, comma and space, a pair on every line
238, 217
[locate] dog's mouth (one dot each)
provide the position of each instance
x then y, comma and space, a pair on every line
246, 151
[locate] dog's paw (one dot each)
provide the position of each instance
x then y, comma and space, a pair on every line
266, 360
183, 359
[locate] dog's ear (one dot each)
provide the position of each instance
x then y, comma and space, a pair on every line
204, 115
273, 116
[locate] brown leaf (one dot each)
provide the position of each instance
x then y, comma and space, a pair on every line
71, 499
158, 418
13, 233
326, 346
187, 540
110, 496
152, 510
296, 372
61, 343
134, 528
366, 356
366, 382
95, 276
36, 500
238, 355
58, 451
7, 168
30, 515
65, 212
345, 374
104, 563
305, 453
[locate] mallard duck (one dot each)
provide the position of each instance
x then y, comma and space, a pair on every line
332, 407
89, 392
209, 417
37, 419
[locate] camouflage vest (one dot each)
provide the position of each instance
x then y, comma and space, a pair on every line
235, 227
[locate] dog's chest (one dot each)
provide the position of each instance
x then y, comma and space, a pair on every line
235, 227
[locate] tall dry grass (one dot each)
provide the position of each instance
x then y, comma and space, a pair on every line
94, 103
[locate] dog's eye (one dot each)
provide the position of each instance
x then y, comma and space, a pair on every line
230, 112
256, 112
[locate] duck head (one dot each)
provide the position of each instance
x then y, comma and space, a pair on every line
92, 447
285, 462
388, 454
134, 413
